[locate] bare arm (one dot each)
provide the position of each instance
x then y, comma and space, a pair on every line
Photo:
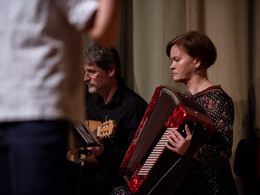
103, 27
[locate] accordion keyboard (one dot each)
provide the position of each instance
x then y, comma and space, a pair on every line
155, 155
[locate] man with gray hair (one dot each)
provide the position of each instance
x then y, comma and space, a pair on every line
109, 99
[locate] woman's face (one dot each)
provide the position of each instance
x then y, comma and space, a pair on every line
183, 65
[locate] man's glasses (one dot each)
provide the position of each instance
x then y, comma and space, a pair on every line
91, 74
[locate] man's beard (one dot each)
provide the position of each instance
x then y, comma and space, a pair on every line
92, 88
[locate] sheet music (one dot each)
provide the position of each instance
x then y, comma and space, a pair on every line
88, 136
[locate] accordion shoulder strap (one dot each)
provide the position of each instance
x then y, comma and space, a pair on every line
210, 89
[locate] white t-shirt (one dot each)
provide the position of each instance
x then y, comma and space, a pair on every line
41, 71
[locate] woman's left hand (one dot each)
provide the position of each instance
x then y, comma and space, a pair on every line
177, 143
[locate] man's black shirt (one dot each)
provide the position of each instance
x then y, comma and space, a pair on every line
127, 109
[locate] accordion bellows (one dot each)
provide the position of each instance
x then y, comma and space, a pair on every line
148, 166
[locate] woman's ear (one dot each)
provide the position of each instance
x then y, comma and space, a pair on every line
197, 63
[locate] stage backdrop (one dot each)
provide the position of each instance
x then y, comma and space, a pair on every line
233, 25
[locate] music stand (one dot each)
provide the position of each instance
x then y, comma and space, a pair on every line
88, 139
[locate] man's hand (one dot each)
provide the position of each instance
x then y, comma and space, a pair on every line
96, 150
72, 152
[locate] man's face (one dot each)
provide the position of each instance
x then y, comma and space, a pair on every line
95, 78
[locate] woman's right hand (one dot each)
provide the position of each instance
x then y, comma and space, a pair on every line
177, 143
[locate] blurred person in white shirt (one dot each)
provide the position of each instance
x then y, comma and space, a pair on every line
41, 89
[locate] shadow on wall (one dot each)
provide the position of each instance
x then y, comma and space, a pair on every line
246, 165
247, 156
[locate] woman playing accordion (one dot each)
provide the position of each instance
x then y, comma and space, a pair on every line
208, 170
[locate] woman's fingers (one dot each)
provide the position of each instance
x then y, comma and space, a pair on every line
176, 142
188, 133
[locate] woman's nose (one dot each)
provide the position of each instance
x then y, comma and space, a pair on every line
172, 66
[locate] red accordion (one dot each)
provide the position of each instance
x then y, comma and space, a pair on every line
148, 166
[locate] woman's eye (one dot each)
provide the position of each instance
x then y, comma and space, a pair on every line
176, 59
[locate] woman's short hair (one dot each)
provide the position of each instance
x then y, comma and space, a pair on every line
197, 45
104, 58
